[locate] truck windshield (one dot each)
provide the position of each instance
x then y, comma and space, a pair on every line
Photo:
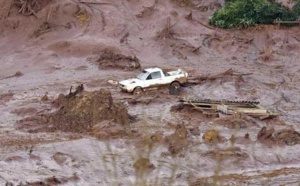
143, 75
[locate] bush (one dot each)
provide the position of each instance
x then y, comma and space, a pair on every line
296, 9
245, 13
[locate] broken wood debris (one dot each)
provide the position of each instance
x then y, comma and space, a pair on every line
28, 7
229, 72
78, 90
214, 107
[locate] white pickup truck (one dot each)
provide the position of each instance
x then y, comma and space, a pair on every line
153, 78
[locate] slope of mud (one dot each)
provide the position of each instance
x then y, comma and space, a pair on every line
89, 139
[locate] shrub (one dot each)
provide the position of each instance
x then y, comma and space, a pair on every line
245, 13
296, 9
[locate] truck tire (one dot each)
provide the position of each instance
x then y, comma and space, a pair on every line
138, 91
174, 88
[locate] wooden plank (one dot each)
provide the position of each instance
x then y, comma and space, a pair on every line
249, 111
214, 104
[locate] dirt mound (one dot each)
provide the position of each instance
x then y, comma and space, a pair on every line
110, 59
79, 113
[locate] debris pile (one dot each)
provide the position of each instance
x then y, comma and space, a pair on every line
80, 112
30, 7
214, 107
288, 137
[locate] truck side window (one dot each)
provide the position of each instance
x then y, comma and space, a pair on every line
166, 73
154, 75
149, 77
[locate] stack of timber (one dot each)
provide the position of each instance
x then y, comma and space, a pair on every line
214, 107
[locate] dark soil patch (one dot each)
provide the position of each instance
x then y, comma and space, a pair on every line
110, 59
14, 158
236, 123
232, 152
25, 111
287, 137
53, 181
6, 97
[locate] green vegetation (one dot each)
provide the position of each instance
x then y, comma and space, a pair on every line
245, 13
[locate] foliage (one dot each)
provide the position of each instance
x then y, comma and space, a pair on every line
296, 8
245, 13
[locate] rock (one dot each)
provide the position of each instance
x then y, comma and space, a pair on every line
143, 165
265, 134
157, 137
60, 158
211, 136
178, 140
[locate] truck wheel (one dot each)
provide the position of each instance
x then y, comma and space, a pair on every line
138, 91
174, 88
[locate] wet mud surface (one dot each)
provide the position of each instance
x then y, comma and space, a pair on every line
102, 136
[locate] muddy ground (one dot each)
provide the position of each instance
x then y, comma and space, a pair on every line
68, 43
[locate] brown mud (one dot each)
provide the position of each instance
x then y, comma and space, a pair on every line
102, 136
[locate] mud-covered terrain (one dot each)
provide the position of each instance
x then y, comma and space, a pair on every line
94, 134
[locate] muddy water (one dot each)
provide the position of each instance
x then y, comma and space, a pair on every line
107, 162
37, 157
269, 53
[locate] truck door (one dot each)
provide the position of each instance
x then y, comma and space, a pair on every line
153, 79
